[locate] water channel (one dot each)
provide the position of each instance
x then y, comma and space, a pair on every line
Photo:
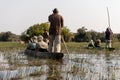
79, 66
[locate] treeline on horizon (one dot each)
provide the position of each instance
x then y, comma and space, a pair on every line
81, 35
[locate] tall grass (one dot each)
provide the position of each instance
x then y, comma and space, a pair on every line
72, 46
6, 46
81, 46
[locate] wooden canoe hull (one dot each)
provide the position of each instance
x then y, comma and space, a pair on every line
44, 55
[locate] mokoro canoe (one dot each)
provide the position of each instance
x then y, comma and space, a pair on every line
44, 55
110, 49
101, 48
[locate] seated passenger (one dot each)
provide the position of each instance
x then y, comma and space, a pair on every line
91, 43
41, 45
46, 36
97, 43
32, 44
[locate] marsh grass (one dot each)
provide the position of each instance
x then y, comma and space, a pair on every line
11, 46
54, 73
35, 62
54, 68
81, 47
37, 73
71, 46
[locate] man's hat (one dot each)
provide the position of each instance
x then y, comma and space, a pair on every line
55, 10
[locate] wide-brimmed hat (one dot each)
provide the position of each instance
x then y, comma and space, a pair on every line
40, 37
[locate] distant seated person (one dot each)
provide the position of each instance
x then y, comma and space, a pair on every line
46, 36
97, 43
32, 43
91, 43
41, 45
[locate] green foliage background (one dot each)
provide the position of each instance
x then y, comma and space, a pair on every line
38, 29
81, 35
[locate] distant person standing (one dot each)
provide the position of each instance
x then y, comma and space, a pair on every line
56, 24
108, 37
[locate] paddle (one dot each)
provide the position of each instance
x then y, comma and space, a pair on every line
65, 46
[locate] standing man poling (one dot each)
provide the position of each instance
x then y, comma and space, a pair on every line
108, 37
56, 24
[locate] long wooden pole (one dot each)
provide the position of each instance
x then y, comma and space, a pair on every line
109, 25
65, 46
108, 18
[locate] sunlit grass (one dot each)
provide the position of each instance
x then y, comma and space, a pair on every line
81, 47
71, 46
9, 46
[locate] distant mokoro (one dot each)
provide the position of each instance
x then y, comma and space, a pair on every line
44, 55
110, 49
101, 48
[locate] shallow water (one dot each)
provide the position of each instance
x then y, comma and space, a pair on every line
84, 66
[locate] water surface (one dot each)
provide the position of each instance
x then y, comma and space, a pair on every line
79, 66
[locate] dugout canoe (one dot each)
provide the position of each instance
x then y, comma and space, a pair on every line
101, 48
44, 55
110, 49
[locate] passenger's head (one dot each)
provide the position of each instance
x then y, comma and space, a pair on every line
30, 40
34, 38
55, 10
91, 41
98, 41
40, 38
45, 30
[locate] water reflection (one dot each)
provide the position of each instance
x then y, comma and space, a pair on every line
54, 72
102, 66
